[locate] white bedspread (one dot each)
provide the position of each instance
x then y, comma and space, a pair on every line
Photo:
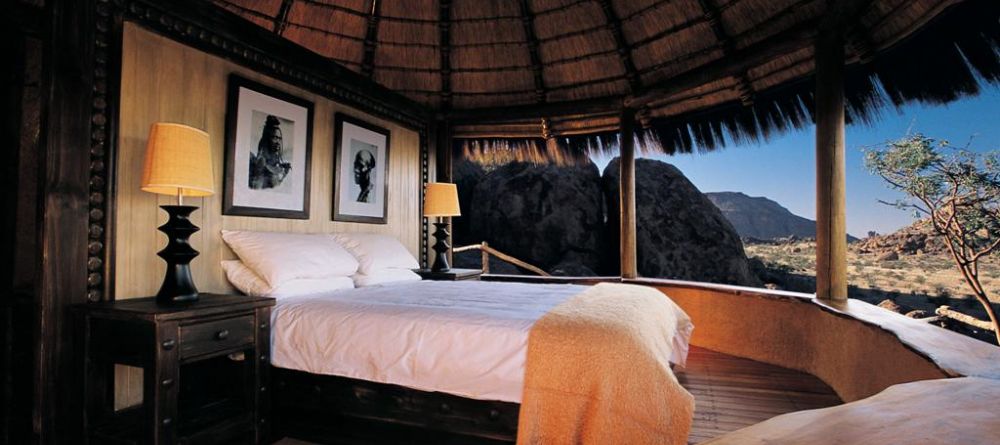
467, 338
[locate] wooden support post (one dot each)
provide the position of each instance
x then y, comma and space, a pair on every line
629, 266
831, 228
443, 151
442, 140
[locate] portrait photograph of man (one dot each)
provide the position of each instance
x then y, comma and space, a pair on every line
362, 168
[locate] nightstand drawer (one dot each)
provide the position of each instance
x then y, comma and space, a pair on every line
215, 336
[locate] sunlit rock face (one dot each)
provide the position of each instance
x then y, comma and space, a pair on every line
547, 215
680, 233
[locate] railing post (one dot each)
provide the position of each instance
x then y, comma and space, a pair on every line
486, 258
626, 187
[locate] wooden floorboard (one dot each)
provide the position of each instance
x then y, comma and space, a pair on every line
731, 393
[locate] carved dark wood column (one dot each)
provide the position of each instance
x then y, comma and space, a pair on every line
629, 265
65, 207
831, 229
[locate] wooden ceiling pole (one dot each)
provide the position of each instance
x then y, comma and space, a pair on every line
626, 196
528, 21
624, 50
371, 40
281, 20
444, 24
713, 17
782, 43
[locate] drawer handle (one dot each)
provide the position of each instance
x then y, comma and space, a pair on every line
168, 344
222, 335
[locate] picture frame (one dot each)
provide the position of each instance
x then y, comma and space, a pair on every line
361, 171
268, 159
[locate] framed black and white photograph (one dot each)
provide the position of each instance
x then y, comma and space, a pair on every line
361, 166
268, 152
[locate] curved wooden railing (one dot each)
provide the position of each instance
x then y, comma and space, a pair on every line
486, 250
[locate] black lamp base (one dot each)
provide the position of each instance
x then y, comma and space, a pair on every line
441, 246
178, 286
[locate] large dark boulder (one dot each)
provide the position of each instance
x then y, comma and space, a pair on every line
547, 215
680, 233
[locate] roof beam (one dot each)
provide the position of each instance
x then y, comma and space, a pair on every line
787, 41
714, 19
527, 111
371, 40
281, 20
624, 50
528, 21
444, 28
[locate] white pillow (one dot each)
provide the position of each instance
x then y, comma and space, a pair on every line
376, 252
385, 276
279, 257
251, 284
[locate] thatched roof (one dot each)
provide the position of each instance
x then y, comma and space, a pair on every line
695, 70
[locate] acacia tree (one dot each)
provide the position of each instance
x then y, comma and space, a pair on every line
958, 190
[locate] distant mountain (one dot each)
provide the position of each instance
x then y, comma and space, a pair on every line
762, 218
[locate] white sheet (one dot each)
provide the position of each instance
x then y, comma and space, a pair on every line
467, 338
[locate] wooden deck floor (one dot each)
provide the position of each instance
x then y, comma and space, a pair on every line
731, 393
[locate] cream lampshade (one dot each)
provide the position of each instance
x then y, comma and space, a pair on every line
178, 161
441, 199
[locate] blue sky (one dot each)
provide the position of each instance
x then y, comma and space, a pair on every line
783, 169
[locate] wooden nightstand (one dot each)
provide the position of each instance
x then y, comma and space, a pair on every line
205, 369
451, 274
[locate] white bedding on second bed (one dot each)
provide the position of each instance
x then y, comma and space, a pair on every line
467, 338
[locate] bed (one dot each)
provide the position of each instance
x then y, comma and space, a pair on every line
363, 351
439, 355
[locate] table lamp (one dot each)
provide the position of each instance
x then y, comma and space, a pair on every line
441, 200
178, 163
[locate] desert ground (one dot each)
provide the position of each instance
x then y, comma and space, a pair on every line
921, 281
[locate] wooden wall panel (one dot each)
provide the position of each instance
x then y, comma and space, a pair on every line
165, 81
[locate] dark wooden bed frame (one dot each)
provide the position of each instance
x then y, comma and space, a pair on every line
340, 410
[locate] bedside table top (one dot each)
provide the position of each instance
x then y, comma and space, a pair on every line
147, 308
450, 274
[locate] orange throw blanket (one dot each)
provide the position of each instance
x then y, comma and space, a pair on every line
597, 371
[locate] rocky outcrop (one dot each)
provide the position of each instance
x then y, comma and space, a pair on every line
680, 233
917, 238
547, 215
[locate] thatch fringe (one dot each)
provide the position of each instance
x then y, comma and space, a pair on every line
945, 61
